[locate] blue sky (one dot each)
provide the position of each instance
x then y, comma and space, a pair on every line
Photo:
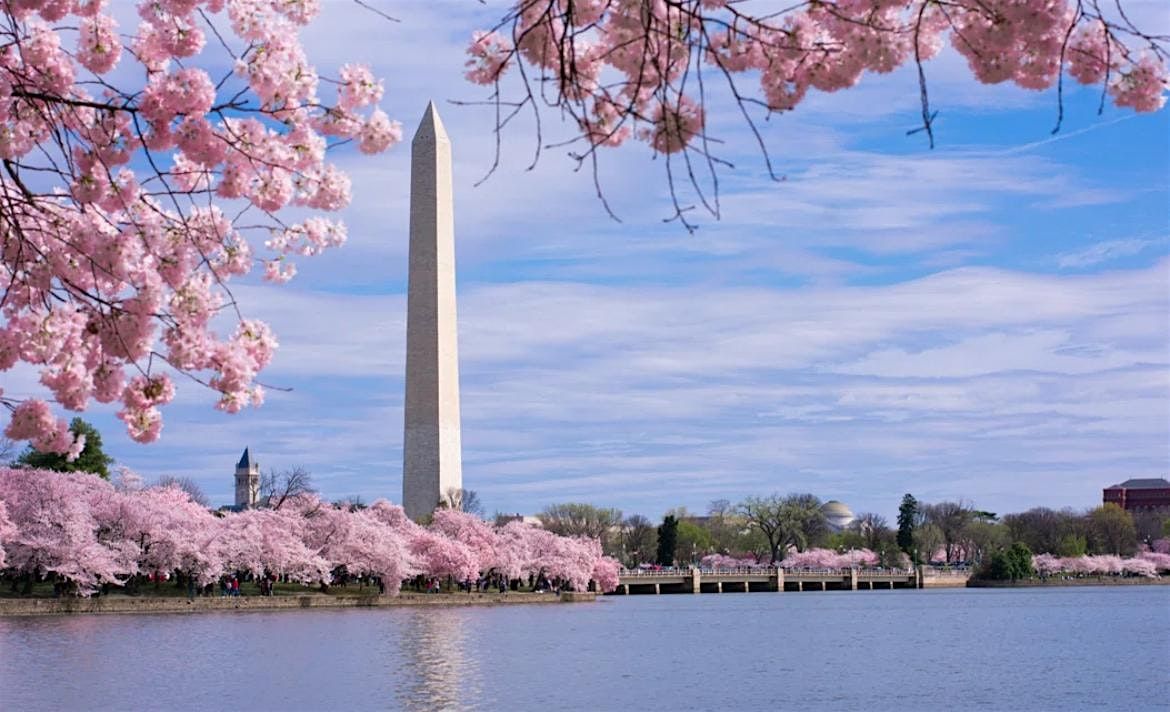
987, 320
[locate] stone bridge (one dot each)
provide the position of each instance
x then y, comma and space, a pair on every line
699, 580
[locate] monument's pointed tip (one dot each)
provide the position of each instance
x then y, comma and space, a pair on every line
431, 125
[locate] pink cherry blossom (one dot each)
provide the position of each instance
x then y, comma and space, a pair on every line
99, 48
79, 529
473, 532
359, 87
105, 272
655, 48
817, 558
56, 532
1159, 559
7, 531
490, 55
605, 573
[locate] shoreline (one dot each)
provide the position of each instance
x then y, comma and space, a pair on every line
1083, 581
103, 605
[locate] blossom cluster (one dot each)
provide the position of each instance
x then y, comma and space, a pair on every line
815, 558
829, 559
1145, 563
655, 52
723, 562
138, 185
82, 529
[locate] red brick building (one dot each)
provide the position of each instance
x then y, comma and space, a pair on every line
1140, 494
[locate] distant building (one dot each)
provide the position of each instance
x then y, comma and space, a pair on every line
247, 482
1140, 494
837, 514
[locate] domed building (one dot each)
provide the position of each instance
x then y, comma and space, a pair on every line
837, 514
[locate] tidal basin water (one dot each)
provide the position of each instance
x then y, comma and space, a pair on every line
1046, 649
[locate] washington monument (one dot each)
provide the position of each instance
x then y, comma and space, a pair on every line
432, 463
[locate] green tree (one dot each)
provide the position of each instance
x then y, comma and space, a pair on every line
92, 458
806, 521
907, 516
928, 539
1044, 529
1072, 546
693, 541
1111, 530
667, 540
795, 520
1011, 564
1021, 560
764, 515
981, 536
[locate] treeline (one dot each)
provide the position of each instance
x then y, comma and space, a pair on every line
762, 529
772, 528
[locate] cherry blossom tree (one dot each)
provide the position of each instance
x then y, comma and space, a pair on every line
7, 529
724, 562
516, 550
476, 534
56, 532
1047, 564
1147, 564
263, 541
84, 531
175, 532
649, 71
136, 183
1139, 566
605, 573
571, 560
369, 542
375, 549
818, 558
394, 517
1160, 560
442, 557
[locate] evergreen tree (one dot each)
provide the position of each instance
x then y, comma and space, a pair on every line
667, 540
92, 458
907, 513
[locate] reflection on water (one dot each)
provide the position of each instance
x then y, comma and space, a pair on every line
991, 649
436, 662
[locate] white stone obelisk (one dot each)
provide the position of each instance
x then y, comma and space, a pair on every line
432, 462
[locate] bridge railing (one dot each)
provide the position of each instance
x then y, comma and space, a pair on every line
886, 572
750, 571
650, 573
765, 571
946, 571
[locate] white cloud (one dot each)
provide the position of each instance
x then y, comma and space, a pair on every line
864, 328
570, 389
1103, 252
